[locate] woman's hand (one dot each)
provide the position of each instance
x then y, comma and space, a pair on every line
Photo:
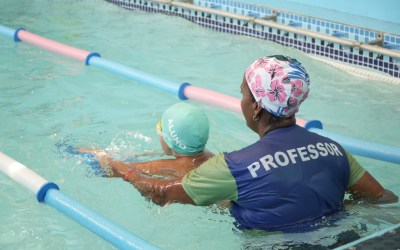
118, 168
90, 150
103, 158
369, 190
387, 197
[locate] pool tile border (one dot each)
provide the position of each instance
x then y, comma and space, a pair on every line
305, 43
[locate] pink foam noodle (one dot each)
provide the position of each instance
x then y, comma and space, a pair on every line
301, 122
212, 97
220, 100
51, 45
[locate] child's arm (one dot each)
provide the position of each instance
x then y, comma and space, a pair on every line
171, 168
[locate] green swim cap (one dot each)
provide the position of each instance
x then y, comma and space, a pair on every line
185, 128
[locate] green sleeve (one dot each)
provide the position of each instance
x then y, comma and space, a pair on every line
210, 182
356, 170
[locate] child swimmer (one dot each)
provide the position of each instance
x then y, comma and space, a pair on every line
183, 132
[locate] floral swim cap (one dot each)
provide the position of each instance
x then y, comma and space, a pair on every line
278, 83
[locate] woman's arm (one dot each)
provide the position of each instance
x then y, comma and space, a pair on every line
369, 189
160, 191
171, 168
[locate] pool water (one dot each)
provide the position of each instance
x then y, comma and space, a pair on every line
46, 99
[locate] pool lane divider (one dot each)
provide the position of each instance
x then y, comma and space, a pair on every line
49, 193
185, 91
353, 244
59, 48
363, 148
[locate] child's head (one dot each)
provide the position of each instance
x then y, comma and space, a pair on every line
184, 128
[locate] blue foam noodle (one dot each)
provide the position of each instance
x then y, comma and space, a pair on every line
364, 148
7, 32
135, 74
96, 223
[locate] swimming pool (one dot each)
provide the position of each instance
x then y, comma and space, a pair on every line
46, 98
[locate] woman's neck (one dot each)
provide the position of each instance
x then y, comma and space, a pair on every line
282, 123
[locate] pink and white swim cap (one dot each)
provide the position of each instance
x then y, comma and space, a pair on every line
278, 83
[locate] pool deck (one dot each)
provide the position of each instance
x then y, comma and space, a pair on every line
331, 14
351, 46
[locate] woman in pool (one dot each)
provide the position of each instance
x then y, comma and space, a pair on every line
287, 180
183, 131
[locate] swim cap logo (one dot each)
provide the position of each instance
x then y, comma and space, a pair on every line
174, 135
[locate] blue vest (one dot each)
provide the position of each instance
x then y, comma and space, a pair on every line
287, 180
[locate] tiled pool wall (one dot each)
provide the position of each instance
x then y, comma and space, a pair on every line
306, 43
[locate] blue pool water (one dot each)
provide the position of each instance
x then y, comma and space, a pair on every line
46, 99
